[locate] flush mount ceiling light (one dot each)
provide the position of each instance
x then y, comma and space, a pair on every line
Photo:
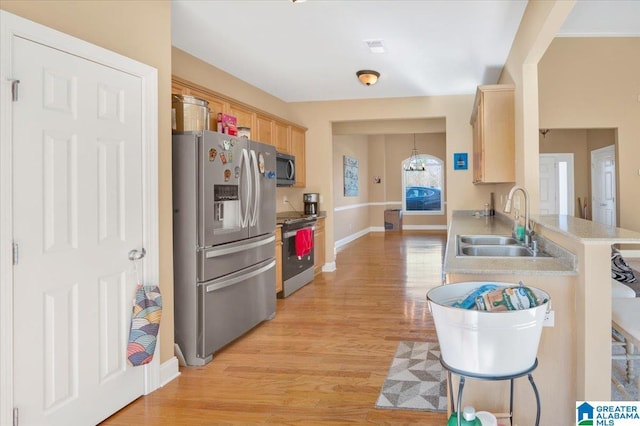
368, 77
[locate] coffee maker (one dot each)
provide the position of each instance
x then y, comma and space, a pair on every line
311, 203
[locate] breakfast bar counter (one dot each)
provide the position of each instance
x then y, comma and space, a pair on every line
560, 262
575, 350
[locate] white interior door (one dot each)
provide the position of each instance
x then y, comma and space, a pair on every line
556, 184
603, 185
548, 185
78, 210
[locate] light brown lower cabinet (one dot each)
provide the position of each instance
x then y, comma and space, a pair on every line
318, 247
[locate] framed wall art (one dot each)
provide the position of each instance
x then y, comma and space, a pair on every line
460, 161
350, 169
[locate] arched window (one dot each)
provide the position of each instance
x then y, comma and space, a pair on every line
423, 187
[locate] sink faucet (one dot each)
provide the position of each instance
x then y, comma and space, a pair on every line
528, 232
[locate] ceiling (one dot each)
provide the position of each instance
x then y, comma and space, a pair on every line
310, 50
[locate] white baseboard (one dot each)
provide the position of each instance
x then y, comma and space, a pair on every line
412, 228
168, 371
424, 227
329, 267
351, 237
362, 233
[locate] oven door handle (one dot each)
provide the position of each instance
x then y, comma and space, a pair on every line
226, 282
243, 247
292, 233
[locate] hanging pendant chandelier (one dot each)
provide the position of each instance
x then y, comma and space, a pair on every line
414, 163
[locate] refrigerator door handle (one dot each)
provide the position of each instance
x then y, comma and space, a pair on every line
256, 181
240, 248
245, 167
223, 282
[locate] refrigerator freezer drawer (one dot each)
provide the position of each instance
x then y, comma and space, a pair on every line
230, 306
218, 261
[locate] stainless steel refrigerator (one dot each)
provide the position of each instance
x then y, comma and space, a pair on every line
224, 218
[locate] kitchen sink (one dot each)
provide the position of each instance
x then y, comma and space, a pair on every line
487, 240
493, 246
502, 251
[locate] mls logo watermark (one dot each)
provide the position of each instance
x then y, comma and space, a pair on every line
607, 413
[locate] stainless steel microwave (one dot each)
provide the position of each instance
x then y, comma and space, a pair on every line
285, 169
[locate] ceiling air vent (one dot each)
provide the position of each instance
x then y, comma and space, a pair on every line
375, 46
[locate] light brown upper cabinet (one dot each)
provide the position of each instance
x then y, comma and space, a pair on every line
244, 116
285, 136
215, 106
264, 129
282, 138
298, 151
493, 124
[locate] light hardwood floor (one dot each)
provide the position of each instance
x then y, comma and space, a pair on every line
324, 357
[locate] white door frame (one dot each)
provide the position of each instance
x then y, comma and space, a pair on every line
568, 158
14, 26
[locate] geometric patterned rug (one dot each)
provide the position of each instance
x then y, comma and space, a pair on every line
416, 379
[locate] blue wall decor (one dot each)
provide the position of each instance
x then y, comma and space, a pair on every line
460, 161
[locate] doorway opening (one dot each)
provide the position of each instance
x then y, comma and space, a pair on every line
554, 144
557, 184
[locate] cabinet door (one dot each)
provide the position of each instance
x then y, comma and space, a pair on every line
243, 115
318, 249
282, 137
478, 145
215, 106
298, 150
264, 131
498, 148
494, 134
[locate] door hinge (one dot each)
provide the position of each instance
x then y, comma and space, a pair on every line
15, 416
16, 252
14, 89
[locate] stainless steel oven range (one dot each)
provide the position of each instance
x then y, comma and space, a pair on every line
297, 271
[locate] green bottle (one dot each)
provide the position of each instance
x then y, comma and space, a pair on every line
468, 418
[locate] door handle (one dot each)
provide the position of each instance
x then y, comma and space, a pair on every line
137, 254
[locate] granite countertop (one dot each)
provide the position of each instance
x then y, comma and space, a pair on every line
586, 230
282, 216
463, 222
